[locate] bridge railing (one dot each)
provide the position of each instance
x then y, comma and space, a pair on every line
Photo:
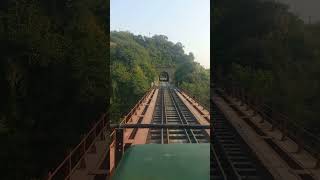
303, 137
75, 158
114, 135
128, 117
188, 93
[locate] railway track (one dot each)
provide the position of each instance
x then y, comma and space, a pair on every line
231, 157
170, 109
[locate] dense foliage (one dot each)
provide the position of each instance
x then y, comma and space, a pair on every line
53, 80
196, 81
263, 47
131, 72
134, 59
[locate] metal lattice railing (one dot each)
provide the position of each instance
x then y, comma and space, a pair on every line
304, 138
126, 119
76, 157
188, 93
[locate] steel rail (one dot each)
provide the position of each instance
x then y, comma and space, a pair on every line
171, 109
183, 117
233, 152
228, 160
162, 115
304, 138
165, 117
224, 176
179, 114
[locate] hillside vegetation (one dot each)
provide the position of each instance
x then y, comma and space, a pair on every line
53, 80
264, 48
133, 69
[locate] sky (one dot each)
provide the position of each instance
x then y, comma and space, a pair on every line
305, 9
185, 21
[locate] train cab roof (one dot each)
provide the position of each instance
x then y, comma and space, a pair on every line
165, 161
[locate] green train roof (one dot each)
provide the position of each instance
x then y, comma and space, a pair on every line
165, 161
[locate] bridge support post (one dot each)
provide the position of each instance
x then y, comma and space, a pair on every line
118, 146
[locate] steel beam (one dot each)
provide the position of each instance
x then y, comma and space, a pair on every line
161, 126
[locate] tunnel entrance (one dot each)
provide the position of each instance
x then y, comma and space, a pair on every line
166, 73
164, 76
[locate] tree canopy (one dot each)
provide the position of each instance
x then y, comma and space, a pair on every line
53, 80
272, 53
134, 59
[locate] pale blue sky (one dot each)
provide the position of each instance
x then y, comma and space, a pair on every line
185, 21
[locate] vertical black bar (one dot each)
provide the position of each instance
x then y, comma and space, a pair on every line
118, 146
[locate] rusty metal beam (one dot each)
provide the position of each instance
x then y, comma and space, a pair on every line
161, 126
